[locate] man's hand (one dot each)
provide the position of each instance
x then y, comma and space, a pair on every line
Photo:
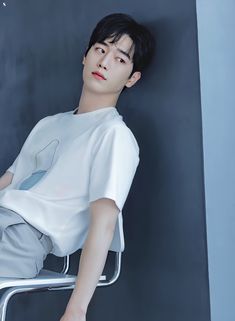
70, 315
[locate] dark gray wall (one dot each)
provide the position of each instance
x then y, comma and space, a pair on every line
164, 269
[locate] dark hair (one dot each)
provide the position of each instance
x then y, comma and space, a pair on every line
117, 24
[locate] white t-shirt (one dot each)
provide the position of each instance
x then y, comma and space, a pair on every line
67, 161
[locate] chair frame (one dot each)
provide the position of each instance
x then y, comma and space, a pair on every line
49, 280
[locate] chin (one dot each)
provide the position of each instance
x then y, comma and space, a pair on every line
94, 88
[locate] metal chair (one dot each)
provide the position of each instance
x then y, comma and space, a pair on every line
53, 281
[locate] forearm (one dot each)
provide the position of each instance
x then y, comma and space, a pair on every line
91, 265
5, 179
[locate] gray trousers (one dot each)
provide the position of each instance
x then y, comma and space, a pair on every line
23, 248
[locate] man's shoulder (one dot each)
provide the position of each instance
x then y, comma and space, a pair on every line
119, 130
112, 126
51, 118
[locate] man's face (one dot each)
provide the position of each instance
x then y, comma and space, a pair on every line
113, 64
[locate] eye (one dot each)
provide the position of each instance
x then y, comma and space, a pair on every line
123, 61
99, 48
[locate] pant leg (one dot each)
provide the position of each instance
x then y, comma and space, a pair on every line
23, 248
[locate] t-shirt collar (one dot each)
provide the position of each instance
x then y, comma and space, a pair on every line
93, 112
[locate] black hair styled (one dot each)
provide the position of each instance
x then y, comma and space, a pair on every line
114, 26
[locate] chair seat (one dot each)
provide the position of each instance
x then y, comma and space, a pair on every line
48, 280
45, 278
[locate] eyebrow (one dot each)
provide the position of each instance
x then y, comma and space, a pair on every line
122, 51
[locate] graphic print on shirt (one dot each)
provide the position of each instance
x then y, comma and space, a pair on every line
43, 162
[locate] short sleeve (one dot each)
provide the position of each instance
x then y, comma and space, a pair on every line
114, 165
12, 168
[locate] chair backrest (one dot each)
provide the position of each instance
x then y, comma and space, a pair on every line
118, 242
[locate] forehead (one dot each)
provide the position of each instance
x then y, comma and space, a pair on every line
125, 43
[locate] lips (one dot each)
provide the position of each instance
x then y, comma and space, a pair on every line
98, 74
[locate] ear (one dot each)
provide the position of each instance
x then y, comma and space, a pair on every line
84, 59
134, 78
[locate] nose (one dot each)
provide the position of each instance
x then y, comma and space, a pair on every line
104, 62
101, 65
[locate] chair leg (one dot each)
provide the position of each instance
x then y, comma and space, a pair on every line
6, 297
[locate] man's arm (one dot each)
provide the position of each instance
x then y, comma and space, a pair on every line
6, 179
104, 213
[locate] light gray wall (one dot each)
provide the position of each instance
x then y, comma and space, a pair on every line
216, 27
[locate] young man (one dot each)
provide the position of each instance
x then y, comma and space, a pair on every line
71, 179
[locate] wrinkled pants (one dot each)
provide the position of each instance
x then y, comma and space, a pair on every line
23, 248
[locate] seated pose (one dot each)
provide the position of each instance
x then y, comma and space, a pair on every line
66, 188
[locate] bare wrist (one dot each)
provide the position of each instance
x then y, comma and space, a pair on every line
76, 310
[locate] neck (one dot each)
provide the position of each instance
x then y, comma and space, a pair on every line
90, 101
